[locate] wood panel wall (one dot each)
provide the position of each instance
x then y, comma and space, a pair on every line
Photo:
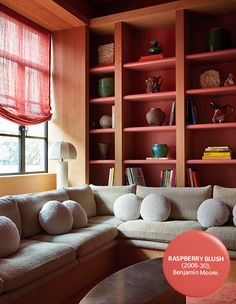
70, 98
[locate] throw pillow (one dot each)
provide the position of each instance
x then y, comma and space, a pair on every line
234, 215
212, 212
55, 218
155, 207
79, 215
127, 207
9, 237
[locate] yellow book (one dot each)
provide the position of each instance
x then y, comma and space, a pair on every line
216, 157
217, 153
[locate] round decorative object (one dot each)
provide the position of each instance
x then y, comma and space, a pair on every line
155, 48
55, 218
105, 121
127, 207
106, 87
230, 81
210, 79
155, 207
104, 150
155, 117
218, 39
9, 237
106, 53
160, 150
234, 215
212, 212
79, 215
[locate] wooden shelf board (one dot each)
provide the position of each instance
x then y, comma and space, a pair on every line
211, 162
219, 91
100, 70
103, 100
149, 162
160, 96
212, 126
151, 129
212, 57
152, 65
102, 162
102, 131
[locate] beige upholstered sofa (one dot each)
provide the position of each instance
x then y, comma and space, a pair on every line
48, 268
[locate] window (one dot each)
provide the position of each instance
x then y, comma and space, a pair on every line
23, 149
24, 94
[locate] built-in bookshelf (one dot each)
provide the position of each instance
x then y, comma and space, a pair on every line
184, 60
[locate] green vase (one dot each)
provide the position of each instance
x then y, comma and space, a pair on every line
160, 150
106, 87
218, 39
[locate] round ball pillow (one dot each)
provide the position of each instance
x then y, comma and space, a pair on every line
9, 237
234, 215
212, 212
155, 207
55, 218
79, 215
127, 207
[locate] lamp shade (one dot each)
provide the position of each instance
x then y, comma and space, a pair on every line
62, 150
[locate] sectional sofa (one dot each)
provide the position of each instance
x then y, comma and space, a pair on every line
49, 268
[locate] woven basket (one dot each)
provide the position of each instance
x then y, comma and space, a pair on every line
106, 53
210, 79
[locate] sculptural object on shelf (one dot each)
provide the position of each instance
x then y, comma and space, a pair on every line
231, 80
155, 117
221, 112
153, 84
155, 48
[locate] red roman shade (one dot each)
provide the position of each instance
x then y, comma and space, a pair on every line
24, 69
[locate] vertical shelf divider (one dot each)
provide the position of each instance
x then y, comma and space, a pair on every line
180, 97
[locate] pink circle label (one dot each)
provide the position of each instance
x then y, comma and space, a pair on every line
196, 263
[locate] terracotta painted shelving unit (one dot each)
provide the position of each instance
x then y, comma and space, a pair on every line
182, 35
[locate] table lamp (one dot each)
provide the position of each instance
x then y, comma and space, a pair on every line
60, 151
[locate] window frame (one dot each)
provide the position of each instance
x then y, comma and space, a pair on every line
22, 136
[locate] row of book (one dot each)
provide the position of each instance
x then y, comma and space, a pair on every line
168, 178
134, 176
191, 111
193, 178
217, 152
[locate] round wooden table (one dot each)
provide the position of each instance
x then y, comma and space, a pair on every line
138, 284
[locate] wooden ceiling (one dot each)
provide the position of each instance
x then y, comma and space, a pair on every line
98, 8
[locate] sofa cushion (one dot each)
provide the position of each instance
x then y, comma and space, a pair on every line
234, 215
227, 234
83, 195
9, 237
110, 220
156, 231
34, 260
226, 195
155, 207
184, 201
55, 218
9, 208
30, 205
105, 197
212, 212
78, 213
83, 240
127, 207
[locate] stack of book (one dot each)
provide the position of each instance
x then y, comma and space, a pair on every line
111, 178
220, 152
193, 178
135, 176
167, 178
151, 57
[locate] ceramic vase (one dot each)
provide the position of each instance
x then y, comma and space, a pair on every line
105, 121
106, 87
218, 39
104, 150
155, 117
160, 150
